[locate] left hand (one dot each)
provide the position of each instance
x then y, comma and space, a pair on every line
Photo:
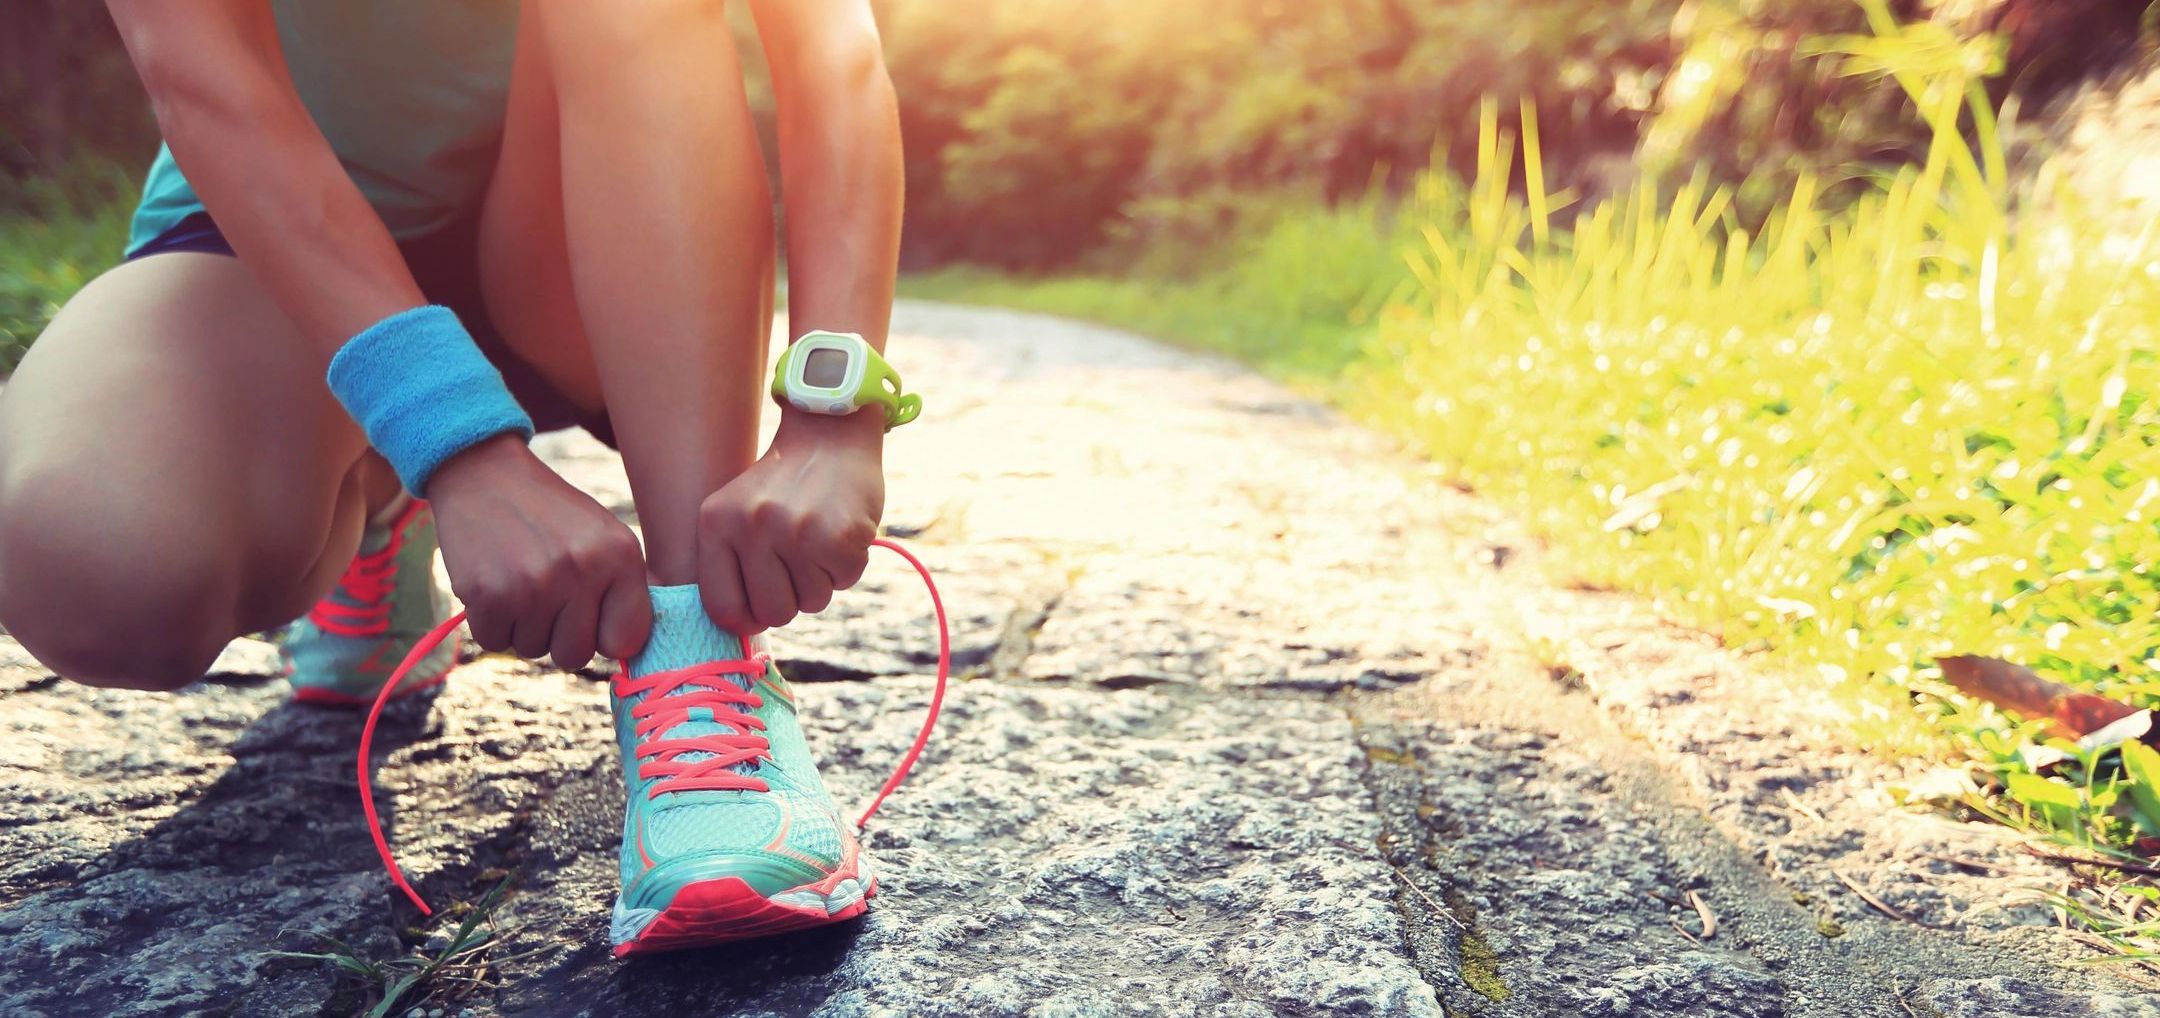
785, 534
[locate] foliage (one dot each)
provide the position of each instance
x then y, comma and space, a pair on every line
1037, 128
73, 226
1870, 438
69, 92
1040, 129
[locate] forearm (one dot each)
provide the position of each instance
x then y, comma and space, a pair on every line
262, 168
840, 171
841, 180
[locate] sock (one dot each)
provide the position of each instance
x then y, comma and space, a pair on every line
682, 634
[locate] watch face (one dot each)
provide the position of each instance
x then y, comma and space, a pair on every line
826, 368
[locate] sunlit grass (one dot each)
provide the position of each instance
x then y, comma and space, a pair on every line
1296, 295
1865, 439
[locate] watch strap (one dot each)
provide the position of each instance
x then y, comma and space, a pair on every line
880, 383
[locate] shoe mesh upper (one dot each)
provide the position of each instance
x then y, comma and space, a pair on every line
315, 658
724, 821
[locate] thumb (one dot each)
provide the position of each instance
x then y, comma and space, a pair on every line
626, 617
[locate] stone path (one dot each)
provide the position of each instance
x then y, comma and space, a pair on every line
1257, 718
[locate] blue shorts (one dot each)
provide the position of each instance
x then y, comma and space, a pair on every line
446, 265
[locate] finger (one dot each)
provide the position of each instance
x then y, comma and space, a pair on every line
572, 644
533, 631
490, 629
720, 583
848, 564
813, 585
771, 592
489, 622
625, 617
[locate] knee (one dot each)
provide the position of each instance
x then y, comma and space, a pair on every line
95, 608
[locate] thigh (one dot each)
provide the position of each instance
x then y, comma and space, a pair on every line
171, 425
524, 245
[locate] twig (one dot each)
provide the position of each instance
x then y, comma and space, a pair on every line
1897, 993
1428, 899
1693, 939
1674, 902
1971, 864
1702, 909
1879, 904
2123, 866
1793, 801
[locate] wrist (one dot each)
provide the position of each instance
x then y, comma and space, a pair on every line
422, 391
863, 430
477, 465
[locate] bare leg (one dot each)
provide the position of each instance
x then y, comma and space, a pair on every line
173, 473
678, 354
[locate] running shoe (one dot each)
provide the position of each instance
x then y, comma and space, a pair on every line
728, 832
343, 651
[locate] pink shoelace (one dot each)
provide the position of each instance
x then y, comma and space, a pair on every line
664, 708
367, 580
700, 686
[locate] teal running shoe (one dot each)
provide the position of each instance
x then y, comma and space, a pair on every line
343, 651
728, 833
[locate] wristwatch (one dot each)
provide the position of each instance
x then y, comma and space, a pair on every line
837, 373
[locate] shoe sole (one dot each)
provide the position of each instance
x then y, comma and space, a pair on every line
726, 909
322, 697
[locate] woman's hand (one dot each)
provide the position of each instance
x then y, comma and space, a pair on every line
541, 566
785, 534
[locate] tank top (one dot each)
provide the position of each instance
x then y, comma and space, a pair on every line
410, 93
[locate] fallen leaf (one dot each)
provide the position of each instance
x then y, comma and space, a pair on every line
1702, 911
2018, 688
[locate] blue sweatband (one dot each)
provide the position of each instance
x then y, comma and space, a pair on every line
423, 392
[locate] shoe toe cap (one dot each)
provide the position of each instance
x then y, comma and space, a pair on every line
767, 873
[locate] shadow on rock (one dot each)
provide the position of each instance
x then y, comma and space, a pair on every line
782, 973
271, 854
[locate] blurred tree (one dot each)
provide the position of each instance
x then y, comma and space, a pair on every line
68, 93
1037, 130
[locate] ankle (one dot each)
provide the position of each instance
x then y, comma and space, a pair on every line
389, 512
384, 496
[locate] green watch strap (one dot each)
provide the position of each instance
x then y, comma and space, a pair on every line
880, 384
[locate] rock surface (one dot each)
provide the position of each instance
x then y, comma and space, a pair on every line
1250, 723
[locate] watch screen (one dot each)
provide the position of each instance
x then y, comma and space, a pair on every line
825, 368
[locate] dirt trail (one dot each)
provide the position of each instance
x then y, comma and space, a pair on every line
1259, 719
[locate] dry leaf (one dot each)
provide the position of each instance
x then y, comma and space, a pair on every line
2017, 688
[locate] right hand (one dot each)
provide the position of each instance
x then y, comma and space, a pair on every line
541, 566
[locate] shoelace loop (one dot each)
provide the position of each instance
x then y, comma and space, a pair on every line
674, 681
670, 696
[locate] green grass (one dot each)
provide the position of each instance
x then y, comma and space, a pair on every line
1861, 437
55, 235
1308, 331
456, 969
